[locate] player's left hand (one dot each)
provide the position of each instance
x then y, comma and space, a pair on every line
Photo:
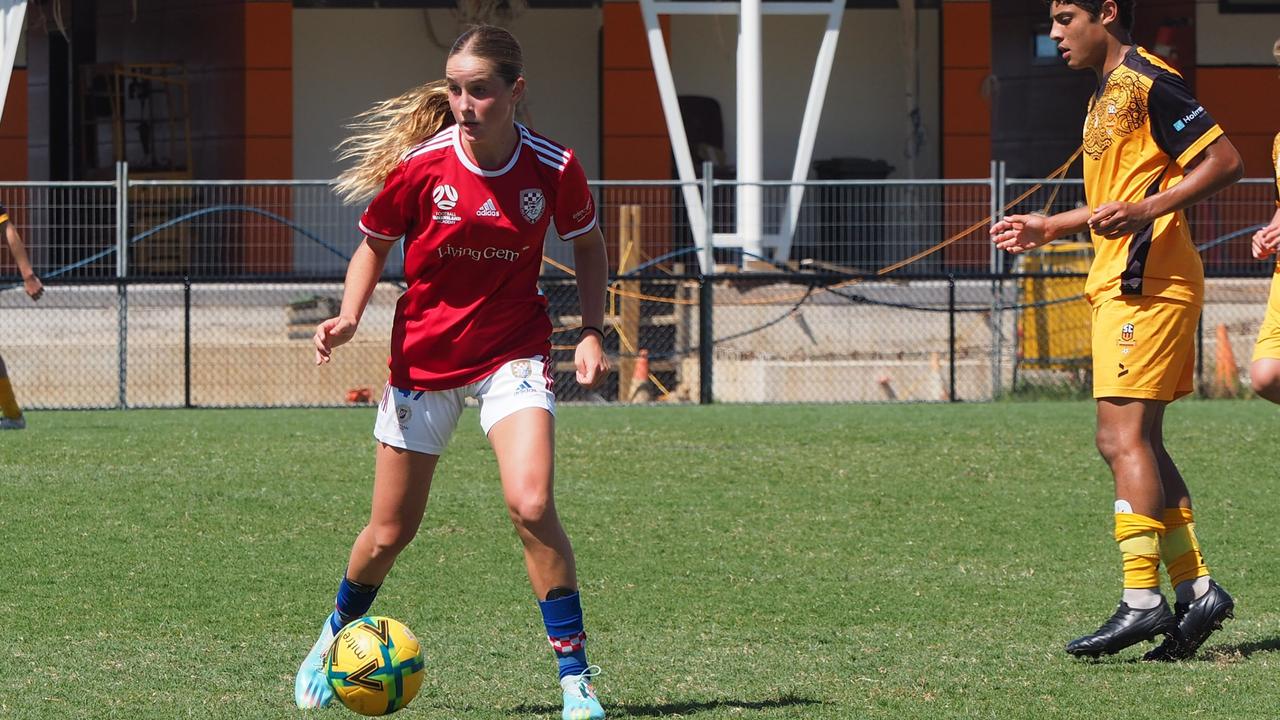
1117, 219
1265, 241
589, 359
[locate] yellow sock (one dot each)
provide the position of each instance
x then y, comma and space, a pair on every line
1139, 539
8, 403
1179, 548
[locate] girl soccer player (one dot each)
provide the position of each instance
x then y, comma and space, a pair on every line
472, 192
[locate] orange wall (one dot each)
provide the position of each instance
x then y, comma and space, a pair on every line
268, 90
1246, 103
13, 129
966, 63
268, 127
636, 145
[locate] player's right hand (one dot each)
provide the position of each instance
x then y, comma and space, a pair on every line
33, 286
1266, 241
1019, 233
330, 334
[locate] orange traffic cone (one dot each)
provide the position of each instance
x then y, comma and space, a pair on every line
640, 390
1227, 375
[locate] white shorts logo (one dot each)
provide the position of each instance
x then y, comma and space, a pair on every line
404, 413
445, 196
532, 204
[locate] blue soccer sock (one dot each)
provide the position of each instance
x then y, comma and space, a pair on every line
563, 619
353, 602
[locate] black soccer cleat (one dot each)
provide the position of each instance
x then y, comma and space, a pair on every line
1126, 627
1196, 621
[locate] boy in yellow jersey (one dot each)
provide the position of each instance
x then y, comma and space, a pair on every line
1265, 371
1150, 150
10, 413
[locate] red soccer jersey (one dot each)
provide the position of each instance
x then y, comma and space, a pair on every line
473, 253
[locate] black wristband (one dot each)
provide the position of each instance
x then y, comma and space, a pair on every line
583, 331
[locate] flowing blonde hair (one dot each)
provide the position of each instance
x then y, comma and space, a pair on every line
383, 133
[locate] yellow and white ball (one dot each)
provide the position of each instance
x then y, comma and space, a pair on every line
375, 665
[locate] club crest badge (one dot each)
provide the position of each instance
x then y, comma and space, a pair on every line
1126, 338
532, 204
521, 368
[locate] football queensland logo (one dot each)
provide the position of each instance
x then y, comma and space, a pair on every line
445, 196
532, 204
521, 368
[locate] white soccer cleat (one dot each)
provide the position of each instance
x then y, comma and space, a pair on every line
580, 701
311, 688
17, 423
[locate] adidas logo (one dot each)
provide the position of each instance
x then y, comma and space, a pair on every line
488, 209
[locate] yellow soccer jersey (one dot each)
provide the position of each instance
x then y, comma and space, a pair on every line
4, 211
1275, 165
1142, 128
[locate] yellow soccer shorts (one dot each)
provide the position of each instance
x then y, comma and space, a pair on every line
1144, 347
1268, 345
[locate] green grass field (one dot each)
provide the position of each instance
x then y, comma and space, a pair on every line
737, 562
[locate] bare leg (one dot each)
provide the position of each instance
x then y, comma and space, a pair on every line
402, 480
524, 444
1176, 494
1265, 376
1125, 432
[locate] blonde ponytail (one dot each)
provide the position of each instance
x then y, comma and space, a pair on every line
383, 133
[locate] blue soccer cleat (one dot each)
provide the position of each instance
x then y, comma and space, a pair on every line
580, 701
311, 687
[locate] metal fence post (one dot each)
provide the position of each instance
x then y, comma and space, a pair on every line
951, 335
186, 342
997, 283
706, 290
122, 277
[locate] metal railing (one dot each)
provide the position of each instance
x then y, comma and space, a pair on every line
204, 293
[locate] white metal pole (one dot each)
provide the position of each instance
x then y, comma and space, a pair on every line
750, 127
675, 128
12, 15
809, 126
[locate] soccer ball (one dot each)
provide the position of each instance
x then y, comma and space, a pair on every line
374, 665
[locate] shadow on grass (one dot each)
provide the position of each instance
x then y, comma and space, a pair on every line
1213, 653
682, 708
1240, 650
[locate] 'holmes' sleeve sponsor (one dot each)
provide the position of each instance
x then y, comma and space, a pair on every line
1179, 123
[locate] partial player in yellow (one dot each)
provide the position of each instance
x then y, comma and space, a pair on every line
11, 417
1150, 151
1265, 370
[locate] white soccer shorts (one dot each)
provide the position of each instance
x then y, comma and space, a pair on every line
424, 420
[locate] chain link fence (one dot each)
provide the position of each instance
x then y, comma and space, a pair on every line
889, 291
